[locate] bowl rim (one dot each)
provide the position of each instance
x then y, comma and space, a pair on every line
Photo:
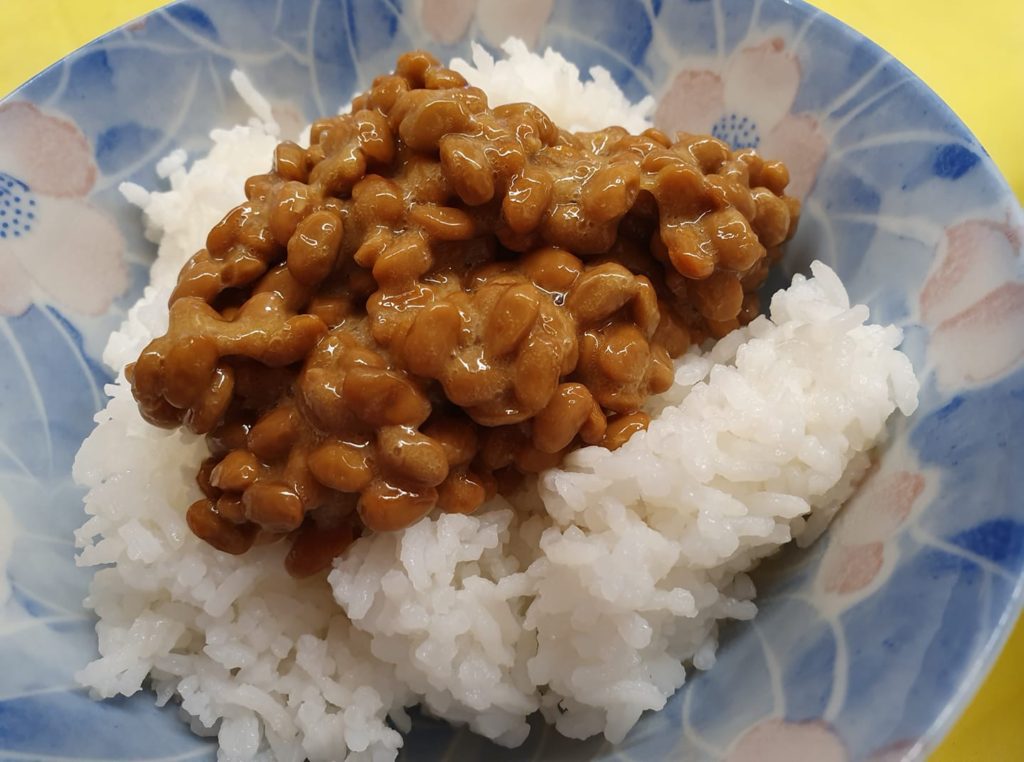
988, 653
968, 687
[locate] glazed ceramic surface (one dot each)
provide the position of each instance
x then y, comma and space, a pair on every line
866, 646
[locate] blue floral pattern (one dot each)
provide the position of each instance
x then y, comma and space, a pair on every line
867, 644
17, 207
738, 131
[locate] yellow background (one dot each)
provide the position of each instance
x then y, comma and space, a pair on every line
969, 52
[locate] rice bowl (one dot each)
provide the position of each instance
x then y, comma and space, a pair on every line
581, 596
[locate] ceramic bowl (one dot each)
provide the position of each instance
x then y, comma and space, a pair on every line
867, 645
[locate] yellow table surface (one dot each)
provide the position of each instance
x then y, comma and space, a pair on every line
971, 54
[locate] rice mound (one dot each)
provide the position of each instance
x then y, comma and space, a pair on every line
580, 597
554, 85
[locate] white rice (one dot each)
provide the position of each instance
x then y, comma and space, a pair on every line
555, 86
583, 601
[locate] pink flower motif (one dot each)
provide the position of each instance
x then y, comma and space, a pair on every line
857, 540
448, 20
974, 303
849, 569
746, 101
53, 243
780, 741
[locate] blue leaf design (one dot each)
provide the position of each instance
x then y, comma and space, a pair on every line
194, 17
952, 161
122, 144
1001, 540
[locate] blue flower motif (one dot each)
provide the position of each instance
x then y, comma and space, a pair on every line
17, 207
738, 131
